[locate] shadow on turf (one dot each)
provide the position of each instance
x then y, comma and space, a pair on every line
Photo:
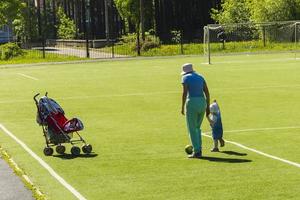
225, 160
70, 156
233, 153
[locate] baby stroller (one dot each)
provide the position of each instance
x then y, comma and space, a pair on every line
57, 128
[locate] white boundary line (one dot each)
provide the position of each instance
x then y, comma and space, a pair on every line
44, 164
26, 76
251, 61
263, 129
256, 151
155, 93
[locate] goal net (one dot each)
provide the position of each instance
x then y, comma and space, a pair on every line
251, 38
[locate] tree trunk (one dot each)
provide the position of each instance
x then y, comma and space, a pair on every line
142, 13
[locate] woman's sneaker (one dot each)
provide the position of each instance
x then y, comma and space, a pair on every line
195, 155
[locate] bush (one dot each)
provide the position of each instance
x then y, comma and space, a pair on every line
10, 50
147, 45
66, 28
129, 38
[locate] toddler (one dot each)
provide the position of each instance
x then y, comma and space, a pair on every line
216, 126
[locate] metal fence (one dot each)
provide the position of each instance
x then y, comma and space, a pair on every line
249, 38
123, 47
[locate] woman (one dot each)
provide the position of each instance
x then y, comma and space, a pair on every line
195, 98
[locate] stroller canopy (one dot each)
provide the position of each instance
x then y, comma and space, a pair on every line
48, 106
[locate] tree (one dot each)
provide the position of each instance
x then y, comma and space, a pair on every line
130, 12
233, 11
66, 28
279, 10
10, 10
239, 11
21, 17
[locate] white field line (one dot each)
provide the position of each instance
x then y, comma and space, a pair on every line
252, 61
263, 129
26, 76
257, 151
259, 87
154, 93
176, 92
44, 164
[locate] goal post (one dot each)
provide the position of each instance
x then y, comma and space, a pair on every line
251, 38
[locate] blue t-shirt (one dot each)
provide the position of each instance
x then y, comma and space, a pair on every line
195, 83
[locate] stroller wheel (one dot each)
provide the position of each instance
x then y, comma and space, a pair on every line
48, 151
87, 148
75, 151
60, 149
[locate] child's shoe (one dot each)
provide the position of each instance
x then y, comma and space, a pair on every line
215, 150
222, 142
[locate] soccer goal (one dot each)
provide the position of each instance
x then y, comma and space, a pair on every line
251, 38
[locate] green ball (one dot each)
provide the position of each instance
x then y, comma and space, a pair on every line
189, 149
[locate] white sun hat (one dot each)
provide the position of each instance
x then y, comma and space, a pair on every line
187, 68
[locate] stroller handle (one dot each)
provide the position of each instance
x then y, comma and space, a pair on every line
34, 98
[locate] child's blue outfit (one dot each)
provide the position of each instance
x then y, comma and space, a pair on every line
217, 128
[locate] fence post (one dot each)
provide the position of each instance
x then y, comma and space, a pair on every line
296, 39
208, 39
181, 42
44, 49
87, 47
264, 35
44, 28
85, 28
138, 42
113, 49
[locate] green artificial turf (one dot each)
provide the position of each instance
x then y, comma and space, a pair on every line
131, 113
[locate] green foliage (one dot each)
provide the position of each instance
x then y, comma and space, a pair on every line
35, 56
279, 10
151, 41
130, 11
147, 45
10, 50
9, 10
233, 11
20, 17
129, 41
239, 11
25, 26
129, 38
66, 28
176, 36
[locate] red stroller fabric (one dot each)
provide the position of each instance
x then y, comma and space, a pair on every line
56, 122
59, 123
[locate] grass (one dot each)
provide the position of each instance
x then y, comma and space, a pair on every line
34, 56
197, 48
131, 113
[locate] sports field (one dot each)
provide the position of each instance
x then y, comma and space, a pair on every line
131, 112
